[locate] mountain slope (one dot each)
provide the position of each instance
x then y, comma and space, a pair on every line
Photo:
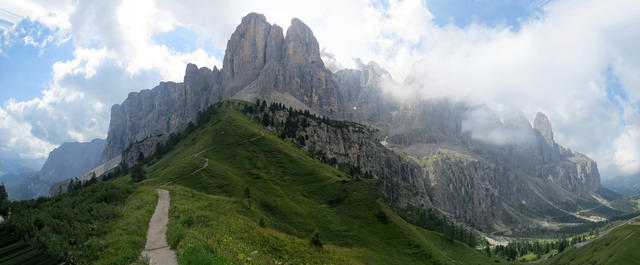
466, 167
619, 247
208, 170
210, 218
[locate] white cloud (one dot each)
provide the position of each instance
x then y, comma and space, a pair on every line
76, 104
17, 136
555, 63
627, 155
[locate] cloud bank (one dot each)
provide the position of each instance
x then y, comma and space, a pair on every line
558, 62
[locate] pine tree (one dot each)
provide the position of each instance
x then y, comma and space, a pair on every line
3, 193
138, 173
247, 193
315, 239
265, 119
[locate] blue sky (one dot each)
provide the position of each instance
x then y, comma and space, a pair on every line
26, 69
504, 53
493, 13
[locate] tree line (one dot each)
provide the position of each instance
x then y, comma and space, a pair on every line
432, 219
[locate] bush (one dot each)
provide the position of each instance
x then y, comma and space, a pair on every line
315, 239
382, 217
138, 173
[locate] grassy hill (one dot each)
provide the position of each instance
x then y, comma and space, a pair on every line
259, 200
618, 247
291, 194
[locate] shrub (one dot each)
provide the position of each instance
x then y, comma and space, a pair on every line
315, 239
382, 217
138, 173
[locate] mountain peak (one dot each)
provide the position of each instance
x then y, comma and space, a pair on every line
253, 16
301, 45
246, 54
543, 126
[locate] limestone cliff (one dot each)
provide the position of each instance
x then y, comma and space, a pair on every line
259, 62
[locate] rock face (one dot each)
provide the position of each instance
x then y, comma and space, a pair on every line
301, 47
364, 99
260, 62
144, 148
500, 186
246, 52
163, 109
543, 127
492, 181
402, 181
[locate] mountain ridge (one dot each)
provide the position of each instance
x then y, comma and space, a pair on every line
523, 184
69, 160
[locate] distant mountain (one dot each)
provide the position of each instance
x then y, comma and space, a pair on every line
503, 174
69, 160
629, 185
12, 164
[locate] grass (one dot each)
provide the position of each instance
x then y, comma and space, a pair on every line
211, 221
620, 246
127, 235
14, 251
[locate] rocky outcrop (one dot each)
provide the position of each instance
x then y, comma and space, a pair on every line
364, 98
543, 127
144, 114
260, 62
246, 52
300, 45
401, 181
163, 109
143, 149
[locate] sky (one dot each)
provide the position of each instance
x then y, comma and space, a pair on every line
64, 63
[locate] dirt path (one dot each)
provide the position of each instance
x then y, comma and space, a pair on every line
157, 251
630, 221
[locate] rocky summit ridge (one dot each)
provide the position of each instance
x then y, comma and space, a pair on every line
434, 161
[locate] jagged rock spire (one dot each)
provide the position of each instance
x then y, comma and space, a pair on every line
301, 45
246, 52
543, 126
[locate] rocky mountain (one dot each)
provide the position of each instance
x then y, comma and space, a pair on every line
69, 160
260, 62
495, 173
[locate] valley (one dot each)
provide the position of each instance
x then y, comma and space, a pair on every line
277, 158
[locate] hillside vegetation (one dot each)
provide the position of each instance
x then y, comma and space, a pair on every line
259, 200
619, 247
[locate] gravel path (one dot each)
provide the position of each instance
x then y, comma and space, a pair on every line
157, 251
